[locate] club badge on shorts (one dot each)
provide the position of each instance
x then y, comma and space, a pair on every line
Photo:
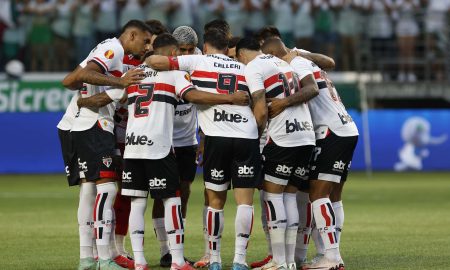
107, 161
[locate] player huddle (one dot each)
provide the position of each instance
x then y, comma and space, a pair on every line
269, 118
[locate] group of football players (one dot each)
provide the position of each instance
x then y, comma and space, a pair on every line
268, 118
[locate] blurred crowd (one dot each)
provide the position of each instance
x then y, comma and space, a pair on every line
55, 35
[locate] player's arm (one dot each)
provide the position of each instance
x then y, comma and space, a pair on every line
260, 109
102, 99
164, 63
323, 61
308, 91
204, 98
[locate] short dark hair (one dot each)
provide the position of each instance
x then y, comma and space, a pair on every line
163, 40
248, 43
233, 42
216, 38
218, 24
156, 27
267, 32
136, 24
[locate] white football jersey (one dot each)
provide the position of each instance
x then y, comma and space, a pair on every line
109, 56
293, 126
219, 74
66, 121
151, 109
185, 125
327, 109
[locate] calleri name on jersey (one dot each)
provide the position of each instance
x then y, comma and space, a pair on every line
219, 74
293, 126
151, 109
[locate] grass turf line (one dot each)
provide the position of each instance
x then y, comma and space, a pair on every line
392, 221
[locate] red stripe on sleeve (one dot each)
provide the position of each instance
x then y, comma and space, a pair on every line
175, 217
271, 80
96, 59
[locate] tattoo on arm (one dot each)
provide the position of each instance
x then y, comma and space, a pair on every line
259, 107
308, 91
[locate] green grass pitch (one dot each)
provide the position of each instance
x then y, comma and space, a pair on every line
392, 221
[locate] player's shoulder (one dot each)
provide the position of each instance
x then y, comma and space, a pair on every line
111, 48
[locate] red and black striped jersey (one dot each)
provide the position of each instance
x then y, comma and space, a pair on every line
219, 74
293, 126
108, 55
327, 109
151, 109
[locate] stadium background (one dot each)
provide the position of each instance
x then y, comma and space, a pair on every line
399, 97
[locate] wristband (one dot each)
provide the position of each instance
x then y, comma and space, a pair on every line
173, 63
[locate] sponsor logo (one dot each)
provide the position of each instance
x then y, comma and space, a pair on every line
82, 165
132, 139
228, 117
301, 171
183, 112
187, 77
109, 54
246, 171
157, 183
297, 126
126, 177
217, 175
284, 170
339, 165
107, 161
345, 118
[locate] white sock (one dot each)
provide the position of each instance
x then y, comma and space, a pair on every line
136, 228
205, 230
85, 219
290, 204
326, 222
276, 220
215, 221
304, 226
318, 243
161, 235
264, 221
120, 244
243, 225
175, 229
338, 208
113, 250
103, 215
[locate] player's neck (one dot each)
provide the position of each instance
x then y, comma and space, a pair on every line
214, 51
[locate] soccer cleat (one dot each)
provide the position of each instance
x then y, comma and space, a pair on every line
186, 266
317, 258
108, 265
272, 266
302, 263
87, 264
292, 266
203, 262
260, 264
238, 266
215, 266
166, 260
325, 264
124, 262
141, 267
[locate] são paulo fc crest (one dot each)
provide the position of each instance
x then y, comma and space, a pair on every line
109, 54
107, 161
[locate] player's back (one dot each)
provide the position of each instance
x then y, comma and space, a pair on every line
151, 109
327, 109
219, 74
293, 126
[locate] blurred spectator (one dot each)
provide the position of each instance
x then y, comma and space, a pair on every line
157, 10
235, 15
303, 24
61, 27
325, 37
180, 13
407, 30
14, 36
283, 17
437, 31
40, 37
106, 21
380, 29
254, 16
208, 10
349, 29
83, 28
132, 10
